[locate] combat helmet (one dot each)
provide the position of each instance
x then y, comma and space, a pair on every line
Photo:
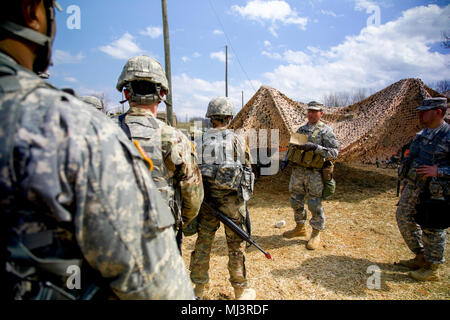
136, 75
94, 101
44, 42
220, 107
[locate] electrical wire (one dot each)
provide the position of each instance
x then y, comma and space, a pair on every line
229, 41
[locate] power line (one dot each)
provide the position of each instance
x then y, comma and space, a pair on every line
229, 41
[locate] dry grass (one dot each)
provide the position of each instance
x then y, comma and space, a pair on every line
360, 231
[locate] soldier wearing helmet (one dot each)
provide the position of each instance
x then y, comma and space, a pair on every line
93, 101
63, 211
226, 158
308, 174
175, 171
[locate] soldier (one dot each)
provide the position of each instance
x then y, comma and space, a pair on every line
175, 171
76, 196
306, 178
225, 155
426, 174
93, 101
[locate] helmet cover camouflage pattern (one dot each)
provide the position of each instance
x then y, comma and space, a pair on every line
220, 106
94, 101
315, 105
143, 68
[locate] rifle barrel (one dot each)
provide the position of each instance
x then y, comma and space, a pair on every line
235, 228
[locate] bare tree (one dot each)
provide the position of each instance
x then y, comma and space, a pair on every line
440, 86
359, 95
445, 40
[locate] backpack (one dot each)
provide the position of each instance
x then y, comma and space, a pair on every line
223, 162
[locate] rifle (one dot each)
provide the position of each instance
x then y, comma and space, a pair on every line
234, 227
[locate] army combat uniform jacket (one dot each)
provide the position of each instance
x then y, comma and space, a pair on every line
306, 179
174, 161
430, 147
75, 190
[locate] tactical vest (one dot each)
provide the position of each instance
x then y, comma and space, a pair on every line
308, 159
223, 161
148, 131
27, 275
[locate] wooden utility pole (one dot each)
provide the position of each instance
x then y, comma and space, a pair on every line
169, 112
226, 71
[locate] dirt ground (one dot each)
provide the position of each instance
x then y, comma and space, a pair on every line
361, 232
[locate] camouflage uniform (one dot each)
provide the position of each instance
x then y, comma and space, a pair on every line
232, 205
430, 147
93, 101
308, 181
72, 181
174, 160
172, 154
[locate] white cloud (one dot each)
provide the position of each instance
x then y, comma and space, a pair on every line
195, 102
274, 11
217, 32
272, 55
196, 55
153, 32
185, 59
70, 79
64, 57
329, 13
220, 55
375, 58
123, 48
361, 5
267, 43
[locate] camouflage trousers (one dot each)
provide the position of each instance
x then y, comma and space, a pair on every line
306, 182
208, 224
430, 242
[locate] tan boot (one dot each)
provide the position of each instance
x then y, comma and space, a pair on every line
298, 231
314, 241
416, 263
429, 272
244, 294
198, 290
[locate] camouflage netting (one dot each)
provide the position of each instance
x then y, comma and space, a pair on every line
270, 109
378, 126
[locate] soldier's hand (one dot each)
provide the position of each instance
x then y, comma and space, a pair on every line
283, 165
428, 171
309, 146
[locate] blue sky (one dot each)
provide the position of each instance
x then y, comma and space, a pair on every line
305, 49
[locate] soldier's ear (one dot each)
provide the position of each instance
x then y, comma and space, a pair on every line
127, 94
34, 15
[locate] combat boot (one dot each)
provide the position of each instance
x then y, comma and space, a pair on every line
429, 272
314, 241
298, 231
416, 263
198, 290
244, 293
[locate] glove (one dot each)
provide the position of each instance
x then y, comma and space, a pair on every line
309, 146
283, 165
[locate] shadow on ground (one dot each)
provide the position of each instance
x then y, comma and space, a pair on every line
347, 275
266, 242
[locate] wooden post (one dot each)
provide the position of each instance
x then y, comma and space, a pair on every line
169, 112
226, 71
